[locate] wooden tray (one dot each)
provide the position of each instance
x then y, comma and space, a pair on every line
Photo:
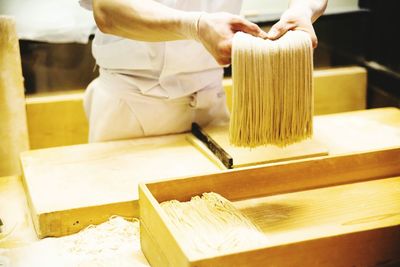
345, 224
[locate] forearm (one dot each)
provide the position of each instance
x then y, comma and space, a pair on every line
144, 20
314, 8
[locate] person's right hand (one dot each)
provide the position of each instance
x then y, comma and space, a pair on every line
215, 32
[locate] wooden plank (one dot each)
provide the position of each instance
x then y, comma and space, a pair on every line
359, 221
160, 234
340, 90
242, 157
376, 247
337, 133
59, 119
147, 241
68, 221
287, 218
363, 130
13, 128
284, 177
56, 120
72, 187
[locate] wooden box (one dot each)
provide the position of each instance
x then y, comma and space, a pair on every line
328, 211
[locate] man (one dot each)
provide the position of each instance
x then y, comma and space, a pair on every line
161, 62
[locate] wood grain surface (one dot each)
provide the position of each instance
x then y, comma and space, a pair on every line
242, 157
72, 187
358, 221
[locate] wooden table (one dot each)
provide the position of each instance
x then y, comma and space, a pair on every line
72, 187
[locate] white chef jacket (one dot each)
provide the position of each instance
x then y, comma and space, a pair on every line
166, 69
154, 88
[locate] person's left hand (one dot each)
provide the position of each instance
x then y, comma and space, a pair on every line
295, 18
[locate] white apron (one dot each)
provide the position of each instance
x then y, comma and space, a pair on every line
149, 88
124, 112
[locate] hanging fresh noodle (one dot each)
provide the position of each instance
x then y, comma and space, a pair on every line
272, 100
211, 225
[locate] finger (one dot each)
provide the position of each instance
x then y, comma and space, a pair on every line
278, 29
311, 32
224, 61
248, 27
225, 48
223, 53
314, 39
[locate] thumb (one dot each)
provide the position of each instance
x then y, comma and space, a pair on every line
250, 28
277, 30
311, 32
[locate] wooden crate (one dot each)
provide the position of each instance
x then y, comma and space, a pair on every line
334, 222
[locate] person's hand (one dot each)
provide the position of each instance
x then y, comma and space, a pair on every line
215, 32
295, 18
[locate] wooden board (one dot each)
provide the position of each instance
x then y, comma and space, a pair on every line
363, 130
292, 217
337, 133
340, 90
72, 187
358, 221
242, 157
58, 119
284, 177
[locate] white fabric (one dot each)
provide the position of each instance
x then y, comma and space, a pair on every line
117, 110
174, 66
149, 88
61, 21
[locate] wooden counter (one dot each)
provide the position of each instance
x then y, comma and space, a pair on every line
72, 187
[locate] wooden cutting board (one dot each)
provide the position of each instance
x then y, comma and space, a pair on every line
337, 133
236, 157
72, 187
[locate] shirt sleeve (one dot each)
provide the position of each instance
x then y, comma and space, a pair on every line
87, 4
